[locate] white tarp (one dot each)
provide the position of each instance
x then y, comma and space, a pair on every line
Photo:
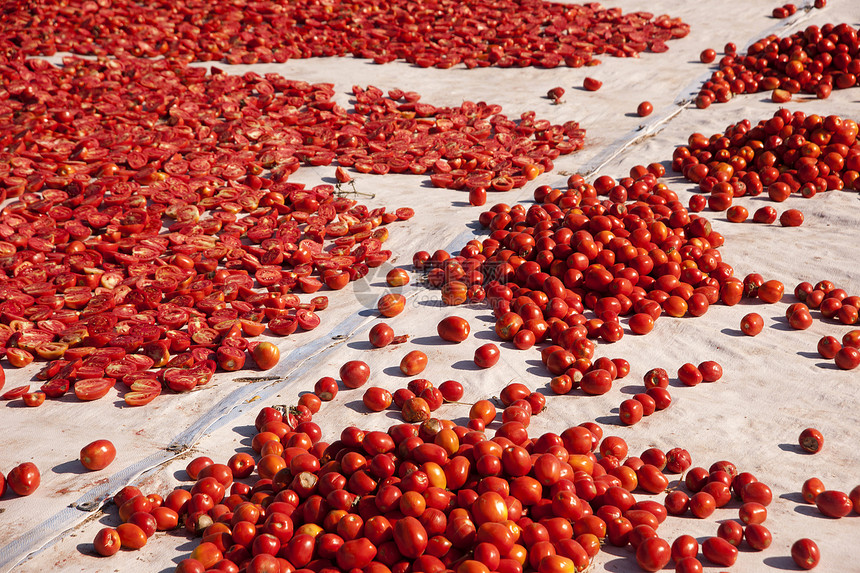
774, 385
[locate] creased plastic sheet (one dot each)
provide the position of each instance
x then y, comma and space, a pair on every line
774, 385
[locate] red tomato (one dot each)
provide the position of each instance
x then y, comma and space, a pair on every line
410, 537
381, 335
354, 374
266, 355
596, 382
107, 542
487, 355
653, 554
758, 536
391, 304
719, 551
98, 455
131, 536
93, 388
24, 479
453, 329
831, 503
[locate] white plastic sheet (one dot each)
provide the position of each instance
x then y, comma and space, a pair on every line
774, 385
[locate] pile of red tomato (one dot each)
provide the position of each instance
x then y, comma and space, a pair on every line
787, 155
815, 60
442, 33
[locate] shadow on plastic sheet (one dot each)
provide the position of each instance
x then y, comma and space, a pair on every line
70, 467
784, 562
620, 558
393, 371
781, 323
489, 335
430, 341
794, 448
357, 406
535, 368
466, 365
732, 332
609, 421
793, 496
360, 345
807, 354
811, 511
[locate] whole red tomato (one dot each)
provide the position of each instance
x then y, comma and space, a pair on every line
805, 553
354, 373
453, 329
718, 550
241, 464
98, 455
107, 542
24, 479
487, 355
653, 554
266, 355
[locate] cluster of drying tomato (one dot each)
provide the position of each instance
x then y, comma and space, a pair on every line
787, 155
441, 33
833, 304
102, 154
815, 60
437, 496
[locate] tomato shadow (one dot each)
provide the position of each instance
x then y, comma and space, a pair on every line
610, 420
486, 335
88, 549
466, 365
794, 448
621, 558
70, 467
245, 431
360, 345
781, 323
460, 204
536, 368
632, 390
393, 371
732, 332
358, 406
431, 341
794, 496
828, 366
783, 562
811, 511
807, 354
182, 475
